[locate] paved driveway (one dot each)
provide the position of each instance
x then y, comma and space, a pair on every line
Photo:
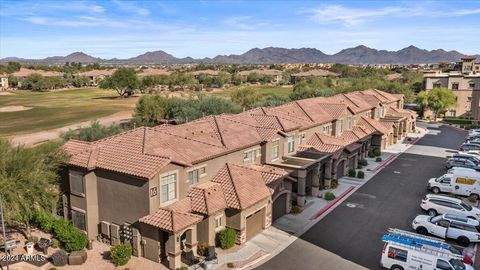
391, 199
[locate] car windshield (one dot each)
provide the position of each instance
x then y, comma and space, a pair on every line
454, 250
466, 206
457, 265
435, 219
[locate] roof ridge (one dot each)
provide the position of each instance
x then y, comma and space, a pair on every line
219, 131
185, 138
233, 184
303, 110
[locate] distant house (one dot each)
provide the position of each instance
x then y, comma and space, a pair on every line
25, 72
3, 81
394, 76
96, 76
277, 75
154, 72
312, 73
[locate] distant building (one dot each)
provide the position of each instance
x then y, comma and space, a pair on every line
154, 72
96, 76
277, 75
312, 73
3, 81
464, 83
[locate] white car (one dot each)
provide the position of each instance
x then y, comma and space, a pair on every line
463, 230
439, 204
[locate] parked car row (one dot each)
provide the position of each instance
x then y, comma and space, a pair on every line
446, 217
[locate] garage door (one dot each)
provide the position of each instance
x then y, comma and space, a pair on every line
340, 169
254, 224
279, 207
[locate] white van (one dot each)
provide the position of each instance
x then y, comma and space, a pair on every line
463, 183
405, 250
469, 171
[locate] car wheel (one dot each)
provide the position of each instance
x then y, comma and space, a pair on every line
422, 230
432, 212
464, 241
435, 190
396, 267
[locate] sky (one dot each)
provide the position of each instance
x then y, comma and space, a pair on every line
123, 29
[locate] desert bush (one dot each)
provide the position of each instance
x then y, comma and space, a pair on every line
55, 243
360, 174
371, 154
363, 162
296, 210
226, 238
72, 238
352, 173
121, 254
43, 221
377, 152
378, 159
334, 183
329, 196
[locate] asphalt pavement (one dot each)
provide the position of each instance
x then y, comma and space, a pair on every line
391, 199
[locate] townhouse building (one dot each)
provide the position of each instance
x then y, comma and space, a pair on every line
464, 82
166, 189
277, 75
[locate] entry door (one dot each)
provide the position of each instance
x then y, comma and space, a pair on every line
441, 229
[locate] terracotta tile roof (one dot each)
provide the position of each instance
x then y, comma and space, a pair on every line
74, 147
272, 176
324, 143
207, 198
375, 124
242, 187
392, 111
334, 110
382, 95
316, 73
268, 72
170, 220
25, 72
95, 73
154, 72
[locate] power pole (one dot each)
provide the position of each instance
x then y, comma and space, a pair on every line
3, 230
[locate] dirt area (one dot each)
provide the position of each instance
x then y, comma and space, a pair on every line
43, 136
5, 93
14, 108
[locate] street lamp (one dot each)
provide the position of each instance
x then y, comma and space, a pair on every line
3, 230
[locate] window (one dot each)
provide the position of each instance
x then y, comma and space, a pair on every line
397, 254
275, 148
169, 187
77, 184
251, 156
437, 85
339, 127
291, 144
78, 219
348, 123
301, 139
326, 130
193, 177
471, 85
454, 86
443, 265
218, 222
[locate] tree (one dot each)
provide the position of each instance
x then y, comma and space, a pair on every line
29, 181
246, 97
151, 110
124, 80
94, 132
273, 100
439, 100
422, 101
213, 105
183, 110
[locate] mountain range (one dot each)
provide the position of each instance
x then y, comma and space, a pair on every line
272, 55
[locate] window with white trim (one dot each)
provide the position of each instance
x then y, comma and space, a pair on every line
77, 184
218, 222
275, 149
195, 175
348, 123
169, 187
301, 138
339, 127
252, 155
291, 144
326, 130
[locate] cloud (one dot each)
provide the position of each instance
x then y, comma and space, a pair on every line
131, 7
246, 23
349, 16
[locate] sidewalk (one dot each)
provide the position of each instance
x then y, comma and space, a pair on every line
289, 227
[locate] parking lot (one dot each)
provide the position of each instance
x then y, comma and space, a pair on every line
353, 230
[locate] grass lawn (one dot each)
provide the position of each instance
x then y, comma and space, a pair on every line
57, 109
264, 90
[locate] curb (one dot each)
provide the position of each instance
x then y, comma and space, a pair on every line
385, 163
252, 263
332, 203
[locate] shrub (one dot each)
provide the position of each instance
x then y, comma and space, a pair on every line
55, 243
378, 159
334, 183
121, 254
352, 173
377, 152
72, 238
363, 162
226, 238
296, 210
183, 268
359, 166
34, 239
230, 265
371, 154
360, 174
329, 196
60, 258
43, 221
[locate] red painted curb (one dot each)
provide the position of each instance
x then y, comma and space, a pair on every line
332, 203
383, 164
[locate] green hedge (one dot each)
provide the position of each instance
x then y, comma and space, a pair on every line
377, 152
121, 254
363, 162
226, 238
360, 174
329, 196
457, 121
352, 173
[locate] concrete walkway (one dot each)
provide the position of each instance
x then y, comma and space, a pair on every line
285, 230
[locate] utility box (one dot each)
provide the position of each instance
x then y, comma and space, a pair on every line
114, 234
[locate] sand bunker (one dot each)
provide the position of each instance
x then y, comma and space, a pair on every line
5, 93
14, 108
